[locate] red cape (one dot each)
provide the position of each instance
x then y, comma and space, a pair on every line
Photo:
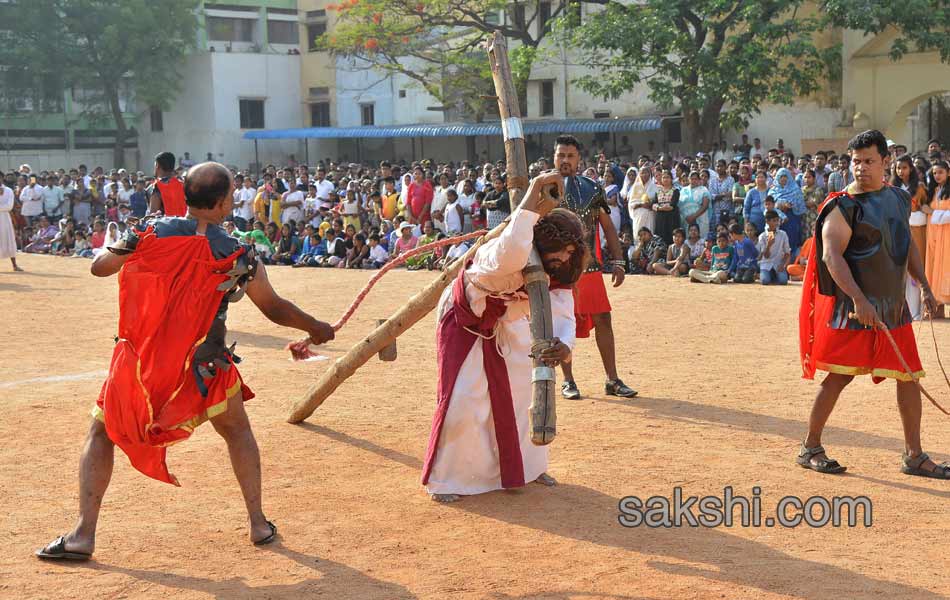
168, 298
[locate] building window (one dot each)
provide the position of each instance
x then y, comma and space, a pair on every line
314, 31
283, 32
492, 18
601, 114
368, 114
226, 29
320, 114
157, 119
544, 15
547, 98
402, 93
252, 114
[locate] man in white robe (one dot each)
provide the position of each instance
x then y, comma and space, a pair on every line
481, 436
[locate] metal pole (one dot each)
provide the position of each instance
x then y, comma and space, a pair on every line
257, 160
306, 151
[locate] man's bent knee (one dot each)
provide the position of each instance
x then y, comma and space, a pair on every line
233, 421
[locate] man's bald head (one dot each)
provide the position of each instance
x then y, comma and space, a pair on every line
207, 184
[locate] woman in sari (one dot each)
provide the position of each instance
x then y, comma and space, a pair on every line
640, 200
694, 204
938, 236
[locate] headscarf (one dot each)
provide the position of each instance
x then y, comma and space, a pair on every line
627, 184
790, 193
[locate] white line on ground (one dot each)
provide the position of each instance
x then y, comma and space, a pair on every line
55, 379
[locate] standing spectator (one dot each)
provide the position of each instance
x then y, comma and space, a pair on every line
419, 197
244, 204
291, 203
938, 237
324, 187
814, 196
774, 252
7, 234
667, 216
31, 199
753, 206
640, 199
138, 201
453, 215
720, 189
350, 209
906, 178
439, 201
694, 204
498, 202
54, 198
790, 200
841, 177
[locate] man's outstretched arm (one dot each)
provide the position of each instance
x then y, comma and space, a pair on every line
284, 312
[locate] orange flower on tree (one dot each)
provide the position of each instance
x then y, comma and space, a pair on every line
371, 44
377, 18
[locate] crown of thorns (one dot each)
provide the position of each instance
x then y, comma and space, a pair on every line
549, 232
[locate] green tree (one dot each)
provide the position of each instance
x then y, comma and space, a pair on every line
437, 43
717, 61
101, 46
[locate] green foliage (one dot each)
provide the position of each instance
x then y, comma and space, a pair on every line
704, 56
438, 43
96, 44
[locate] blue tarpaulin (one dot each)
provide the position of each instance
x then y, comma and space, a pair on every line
549, 126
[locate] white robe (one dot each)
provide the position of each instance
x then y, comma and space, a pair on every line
7, 234
466, 459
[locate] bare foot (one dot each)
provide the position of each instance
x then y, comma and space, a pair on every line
545, 479
445, 498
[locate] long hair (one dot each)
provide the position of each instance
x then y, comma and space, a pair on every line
554, 232
914, 181
945, 188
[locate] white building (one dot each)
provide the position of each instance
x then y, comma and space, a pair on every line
244, 75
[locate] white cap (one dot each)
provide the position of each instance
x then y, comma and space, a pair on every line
890, 143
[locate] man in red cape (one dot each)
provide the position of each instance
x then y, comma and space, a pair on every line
853, 290
171, 369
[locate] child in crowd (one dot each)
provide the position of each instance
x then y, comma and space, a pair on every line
479, 220
378, 256
796, 270
313, 247
336, 250
453, 216
704, 261
83, 247
694, 242
677, 256
651, 249
774, 252
745, 266
723, 257
770, 205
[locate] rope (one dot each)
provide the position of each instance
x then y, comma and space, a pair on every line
399, 260
907, 368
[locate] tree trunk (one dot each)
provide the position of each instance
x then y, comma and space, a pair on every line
692, 130
121, 130
709, 122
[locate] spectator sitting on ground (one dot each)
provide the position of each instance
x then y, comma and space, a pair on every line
723, 257
378, 256
677, 257
406, 240
745, 266
359, 254
650, 249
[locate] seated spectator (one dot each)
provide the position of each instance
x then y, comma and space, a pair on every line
424, 260
406, 240
677, 257
745, 267
695, 243
98, 238
287, 248
313, 247
336, 250
262, 243
796, 270
378, 256
42, 240
774, 252
359, 254
649, 250
82, 248
723, 257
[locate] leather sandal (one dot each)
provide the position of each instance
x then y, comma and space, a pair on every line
822, 465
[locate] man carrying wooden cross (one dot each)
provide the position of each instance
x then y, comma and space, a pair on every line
481, 437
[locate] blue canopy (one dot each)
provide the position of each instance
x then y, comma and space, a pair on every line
549, 126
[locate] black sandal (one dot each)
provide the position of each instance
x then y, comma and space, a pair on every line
822, 465
912, 466
270, 538
56, 550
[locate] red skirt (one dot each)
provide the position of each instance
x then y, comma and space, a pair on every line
849, 351
590, 298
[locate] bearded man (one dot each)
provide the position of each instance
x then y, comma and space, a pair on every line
481, 436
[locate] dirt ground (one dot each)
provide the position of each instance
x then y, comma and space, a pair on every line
721, 404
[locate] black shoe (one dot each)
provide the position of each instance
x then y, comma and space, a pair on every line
619, 388
569, 390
